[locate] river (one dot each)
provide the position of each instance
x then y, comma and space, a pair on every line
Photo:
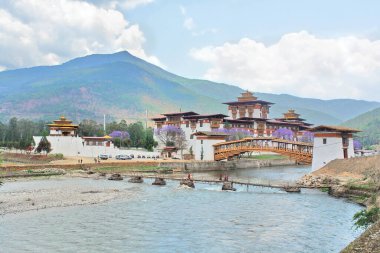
173, 219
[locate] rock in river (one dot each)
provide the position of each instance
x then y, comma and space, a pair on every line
115, 177
187, 182
159, 181
137, 179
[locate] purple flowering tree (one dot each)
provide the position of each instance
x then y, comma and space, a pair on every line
283, 133
120, 137
357, 145
120, 134
171, 136
307, 136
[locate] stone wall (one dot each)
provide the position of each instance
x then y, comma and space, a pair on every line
226, 165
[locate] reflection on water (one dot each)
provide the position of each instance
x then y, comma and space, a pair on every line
275, 174
173, 219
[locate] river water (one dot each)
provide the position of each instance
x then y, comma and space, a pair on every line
173, 219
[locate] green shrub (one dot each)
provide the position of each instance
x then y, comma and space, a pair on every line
58, 156
364, 218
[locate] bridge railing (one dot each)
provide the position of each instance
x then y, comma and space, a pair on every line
299, 150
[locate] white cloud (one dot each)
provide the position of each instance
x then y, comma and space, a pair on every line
124, 4
299, 64
131, 4
182, 9
189, 23
52, 31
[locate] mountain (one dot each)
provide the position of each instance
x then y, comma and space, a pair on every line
123, 86
369, 123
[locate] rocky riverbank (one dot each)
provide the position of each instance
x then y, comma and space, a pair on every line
357, 179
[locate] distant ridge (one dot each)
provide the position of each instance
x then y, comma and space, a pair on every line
123, 86
369, 123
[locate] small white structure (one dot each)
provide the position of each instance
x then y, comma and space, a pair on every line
330, 143
203, 144
64, 140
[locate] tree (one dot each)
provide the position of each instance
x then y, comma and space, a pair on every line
357, 145
307, 136
172, 136
180, 141
137, 134
364, 218
283, 133
149, 143
167, 134
90, 128
44, 145
120, 138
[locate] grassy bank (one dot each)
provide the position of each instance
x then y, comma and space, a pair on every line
267, 157
124, 169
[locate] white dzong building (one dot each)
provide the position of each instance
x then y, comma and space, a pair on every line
246, 113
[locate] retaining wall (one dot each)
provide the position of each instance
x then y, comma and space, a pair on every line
226, 165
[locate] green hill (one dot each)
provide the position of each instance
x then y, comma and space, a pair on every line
123, 87
369, 123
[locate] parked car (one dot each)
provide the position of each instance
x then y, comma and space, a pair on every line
139, 156
132, 156
143, 156
123, 157
103, 156
148, 156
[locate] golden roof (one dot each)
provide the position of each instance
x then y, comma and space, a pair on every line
247, 96
291, 114
63, 122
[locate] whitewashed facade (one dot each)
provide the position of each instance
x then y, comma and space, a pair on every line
331, 143
75, 146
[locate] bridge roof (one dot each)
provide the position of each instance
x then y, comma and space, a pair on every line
341, 129
273, 139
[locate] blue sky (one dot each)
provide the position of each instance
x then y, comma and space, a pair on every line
231, 20
323, 49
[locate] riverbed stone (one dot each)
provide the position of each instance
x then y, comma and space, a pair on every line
116, 177
137, 179
159, 181
187, 182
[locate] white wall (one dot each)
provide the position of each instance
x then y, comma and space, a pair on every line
208, 149
73, 146
333, 149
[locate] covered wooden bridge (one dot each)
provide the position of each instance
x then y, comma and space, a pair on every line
300, 151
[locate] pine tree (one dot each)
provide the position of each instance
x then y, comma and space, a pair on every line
44, 145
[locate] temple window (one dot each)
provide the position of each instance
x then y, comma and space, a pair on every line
324, 141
